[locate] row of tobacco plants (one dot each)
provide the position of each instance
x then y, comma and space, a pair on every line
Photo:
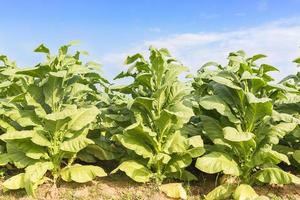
61, 119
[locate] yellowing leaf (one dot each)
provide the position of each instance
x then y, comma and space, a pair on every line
174, 190
81, 173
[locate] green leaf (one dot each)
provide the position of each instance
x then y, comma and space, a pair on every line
212, 127
53, 91
40, 139
296, 156
234, 135
135, 143
34, 174
135, 170
81, 173
244, 192
297, 60
174, 190
276, 176
14, 183
217, 162
257, 57
216, 103
83, 117
221, 192
75, 144
268, 155
15, 135
226, 82
42, 49
66, 112
176, 143
4, 159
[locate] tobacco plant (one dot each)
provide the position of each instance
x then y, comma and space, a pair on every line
290, 144
234, 111
157, 147
50, 121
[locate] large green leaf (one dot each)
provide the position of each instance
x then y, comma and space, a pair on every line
244, 192
176, 144
135, 144
34, 174
67, 112
234, 135
75, 144
216, 103
15, 182
221, 192
276, 176
81, 173
217, 162
135, 170
83, 117
296, 155
174, 190
15, 135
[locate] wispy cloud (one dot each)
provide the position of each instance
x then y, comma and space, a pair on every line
279, 40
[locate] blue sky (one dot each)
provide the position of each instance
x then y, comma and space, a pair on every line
194, 31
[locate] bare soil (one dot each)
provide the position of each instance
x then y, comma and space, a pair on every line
119, 187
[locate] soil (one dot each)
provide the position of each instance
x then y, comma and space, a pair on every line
119, 187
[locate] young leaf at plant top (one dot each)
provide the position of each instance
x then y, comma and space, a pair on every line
157, 147
233, 105
53, 118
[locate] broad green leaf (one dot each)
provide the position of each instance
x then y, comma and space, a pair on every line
217, 162
40, 139
244, 192
38, 71
135, 143
53, 91
178, 162
276, 176
226, 82
221, 192
67, 112
176, 143
15, 182
42, 49
15, 135
267, 154
75, 144
81, 173
135, 170
296, 155
4, 159
216, 103
82, 118
174, 190
144, 102
212, 127
234, 135
34, 174
17, 155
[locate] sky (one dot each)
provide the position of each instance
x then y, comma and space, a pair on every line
194, 31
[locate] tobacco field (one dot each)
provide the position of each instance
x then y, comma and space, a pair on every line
61, 121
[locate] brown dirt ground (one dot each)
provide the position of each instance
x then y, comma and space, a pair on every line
119, 187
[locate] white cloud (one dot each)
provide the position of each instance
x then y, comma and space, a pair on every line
279, 40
